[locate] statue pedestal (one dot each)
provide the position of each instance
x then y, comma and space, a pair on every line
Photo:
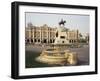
61, 36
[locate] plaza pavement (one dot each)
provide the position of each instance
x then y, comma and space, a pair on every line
83, 52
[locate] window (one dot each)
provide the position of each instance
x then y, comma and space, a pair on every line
50, 41
31, 40
53, 40
57, 34
35, 40
45, 41
38, 40
63, 37
70, 41
27, 40
62, 41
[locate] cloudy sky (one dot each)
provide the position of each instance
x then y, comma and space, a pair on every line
73, 21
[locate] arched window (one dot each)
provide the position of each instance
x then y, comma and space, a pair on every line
35, 40
53, 40
62, 41
27, 40
38, 40
32, 40
57, 34
45, 41
70, 41
50, 40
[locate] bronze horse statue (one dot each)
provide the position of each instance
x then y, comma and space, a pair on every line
62, 22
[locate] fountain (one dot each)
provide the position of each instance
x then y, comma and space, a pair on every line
57, 55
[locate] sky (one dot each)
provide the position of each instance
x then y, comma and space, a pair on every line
73, 21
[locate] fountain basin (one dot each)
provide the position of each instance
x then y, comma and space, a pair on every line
57, 56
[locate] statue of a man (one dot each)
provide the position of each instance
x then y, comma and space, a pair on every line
62, 22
